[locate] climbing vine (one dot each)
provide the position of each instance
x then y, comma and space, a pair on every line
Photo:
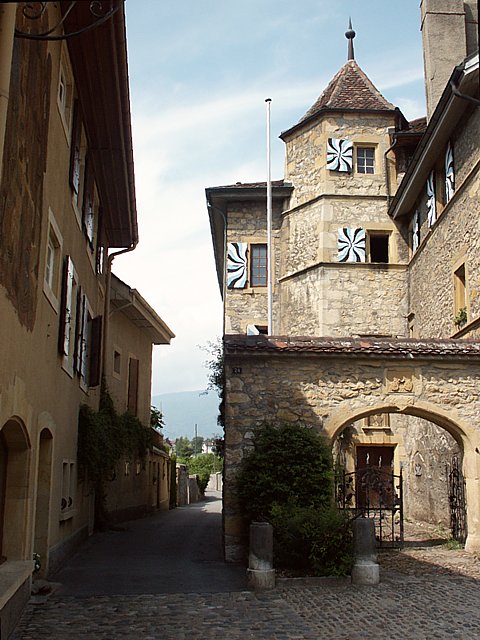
105, 438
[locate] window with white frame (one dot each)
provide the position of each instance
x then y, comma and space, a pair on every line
365, 159
52, 273
65, 93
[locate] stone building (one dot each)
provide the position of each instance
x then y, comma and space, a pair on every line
67, 208
374, 275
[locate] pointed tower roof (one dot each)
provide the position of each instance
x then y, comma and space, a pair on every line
349, 90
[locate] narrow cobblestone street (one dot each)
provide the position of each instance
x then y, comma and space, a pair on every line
425, 593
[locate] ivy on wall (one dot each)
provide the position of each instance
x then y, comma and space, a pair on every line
105, 438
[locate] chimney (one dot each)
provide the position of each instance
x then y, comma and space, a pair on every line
471, 22
444, 44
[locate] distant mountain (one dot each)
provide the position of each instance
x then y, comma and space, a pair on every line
182, 410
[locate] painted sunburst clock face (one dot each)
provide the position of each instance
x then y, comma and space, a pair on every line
351, 245
339, 155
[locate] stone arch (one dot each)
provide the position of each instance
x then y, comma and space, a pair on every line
14, 516
465, 435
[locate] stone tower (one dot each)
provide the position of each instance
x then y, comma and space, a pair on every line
449, 33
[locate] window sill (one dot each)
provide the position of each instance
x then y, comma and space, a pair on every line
66, 515
470, 326
252, 290
51, 297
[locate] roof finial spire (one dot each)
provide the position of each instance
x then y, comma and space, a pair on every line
350, 35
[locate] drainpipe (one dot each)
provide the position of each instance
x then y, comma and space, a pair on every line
463, 96
8, 14
106, 310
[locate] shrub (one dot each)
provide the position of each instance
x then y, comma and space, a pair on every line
287, 479
288, 462
315, 540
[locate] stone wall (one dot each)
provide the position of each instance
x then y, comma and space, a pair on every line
247, 222
429, 449
454, 239
328, 394
305, 161
346, 299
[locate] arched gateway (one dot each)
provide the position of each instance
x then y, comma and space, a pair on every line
329, 383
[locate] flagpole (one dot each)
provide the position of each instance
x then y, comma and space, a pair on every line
269, 224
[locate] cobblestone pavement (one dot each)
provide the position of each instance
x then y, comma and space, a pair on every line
424, 594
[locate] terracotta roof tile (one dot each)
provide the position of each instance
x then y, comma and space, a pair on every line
419, 125
350, 89
397, 348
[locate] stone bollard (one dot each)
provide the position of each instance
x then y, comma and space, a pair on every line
365, 568
260, 572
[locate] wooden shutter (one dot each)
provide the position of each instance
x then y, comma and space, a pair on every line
237, 266
351, 245
416, 230
75, 150
95, 351
431, 202
132, 386
66, 308
88, 196
449, 174
77, 354
339, 155
81, 351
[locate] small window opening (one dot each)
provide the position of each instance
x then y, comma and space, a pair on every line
379, 248
460, 292
116, 362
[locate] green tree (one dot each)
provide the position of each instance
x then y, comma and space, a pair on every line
203, 465
156, 419
183, 449
197, 444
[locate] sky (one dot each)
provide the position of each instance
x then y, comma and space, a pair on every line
200, 71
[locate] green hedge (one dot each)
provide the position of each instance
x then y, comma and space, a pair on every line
287, 479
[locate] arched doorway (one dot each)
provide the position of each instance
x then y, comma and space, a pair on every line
406, 465
42, 505
15, 462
